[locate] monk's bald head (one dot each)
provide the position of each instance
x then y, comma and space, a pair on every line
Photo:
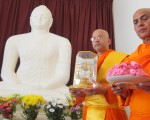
141, 20
103, 32
142, 10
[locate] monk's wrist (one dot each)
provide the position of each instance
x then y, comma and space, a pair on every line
124, 95
101, 91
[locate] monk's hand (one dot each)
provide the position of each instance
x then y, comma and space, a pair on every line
96, 89
144, 86
119, 90
76, 92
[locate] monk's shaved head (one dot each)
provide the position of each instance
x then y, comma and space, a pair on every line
104, 32
141, 20
142, 10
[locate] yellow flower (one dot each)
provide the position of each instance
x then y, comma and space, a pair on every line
1, 100
31, 105
33, 100
8, 98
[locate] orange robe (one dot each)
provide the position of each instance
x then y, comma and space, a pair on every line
104, 107
139, 100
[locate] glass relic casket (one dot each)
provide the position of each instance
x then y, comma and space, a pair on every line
85, 69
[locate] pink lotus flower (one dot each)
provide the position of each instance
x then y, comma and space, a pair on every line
127, 68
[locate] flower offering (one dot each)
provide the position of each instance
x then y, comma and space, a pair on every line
127, 68
75, 108
8, 106
31, 105
56, 109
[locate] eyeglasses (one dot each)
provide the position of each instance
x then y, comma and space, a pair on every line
98, 38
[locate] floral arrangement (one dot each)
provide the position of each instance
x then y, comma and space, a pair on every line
55, 109
127, 68
75, 109
31, 105
8, 106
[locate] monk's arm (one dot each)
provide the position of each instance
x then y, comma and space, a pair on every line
124, 101
123, 98
110, 96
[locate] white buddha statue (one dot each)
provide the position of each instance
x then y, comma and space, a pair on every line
44, 60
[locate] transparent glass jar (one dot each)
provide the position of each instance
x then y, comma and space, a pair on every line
85, 69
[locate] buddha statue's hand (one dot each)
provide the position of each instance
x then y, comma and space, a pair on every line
12, 82
28, 86
16, 83
51, 87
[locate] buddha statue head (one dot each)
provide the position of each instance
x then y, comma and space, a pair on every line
41, 18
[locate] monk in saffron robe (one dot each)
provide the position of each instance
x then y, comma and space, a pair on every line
138, 99
100, 102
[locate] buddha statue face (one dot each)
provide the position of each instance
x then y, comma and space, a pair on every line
41, 18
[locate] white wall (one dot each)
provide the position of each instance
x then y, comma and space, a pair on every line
126, 39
